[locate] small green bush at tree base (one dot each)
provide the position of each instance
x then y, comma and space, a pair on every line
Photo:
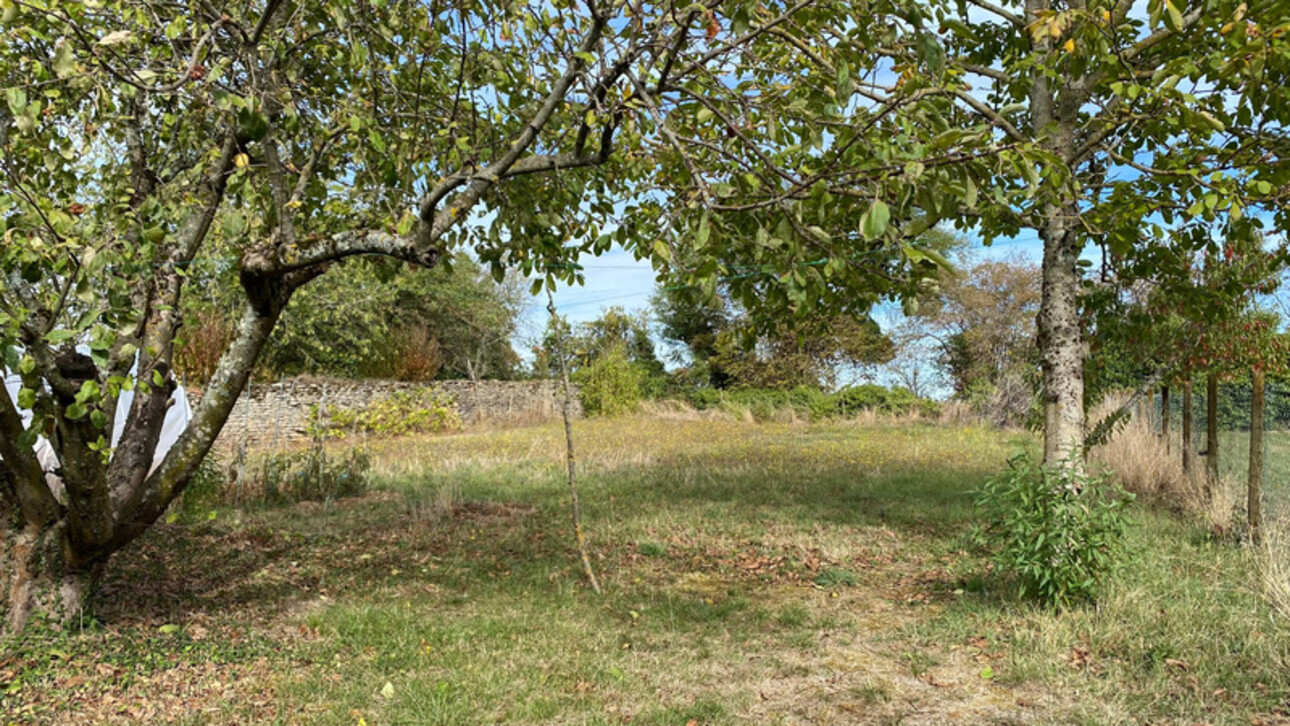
1057, 530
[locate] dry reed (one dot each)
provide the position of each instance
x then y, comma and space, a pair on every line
1143, 463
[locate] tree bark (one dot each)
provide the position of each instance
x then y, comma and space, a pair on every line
1211, 433
43, 578
1061, 344
1186, 426
1164, 417
1254, 494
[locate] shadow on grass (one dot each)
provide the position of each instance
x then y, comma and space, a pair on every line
275, 559
514, 534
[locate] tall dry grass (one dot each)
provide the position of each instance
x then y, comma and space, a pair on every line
1273, 560
1143, 463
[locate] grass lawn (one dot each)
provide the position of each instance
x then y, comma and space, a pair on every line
753, 573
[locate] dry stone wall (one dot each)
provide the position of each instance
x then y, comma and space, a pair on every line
271, 415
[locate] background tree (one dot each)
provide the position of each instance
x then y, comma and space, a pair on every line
727, 349
372, 320
806, 354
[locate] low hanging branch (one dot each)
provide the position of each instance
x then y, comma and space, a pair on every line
567, 412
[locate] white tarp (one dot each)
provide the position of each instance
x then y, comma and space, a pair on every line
177, 418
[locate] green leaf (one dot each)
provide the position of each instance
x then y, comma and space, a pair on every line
27, 438
59, 336
1173, 16
874, 223
64, 59
405, 223
662, 251
704, 115
75, 411
844, 85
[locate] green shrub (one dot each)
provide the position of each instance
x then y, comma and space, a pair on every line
894, 401
421, 411
611, 385
703, 399
1056, 530
812, 403
313, 475
204, 493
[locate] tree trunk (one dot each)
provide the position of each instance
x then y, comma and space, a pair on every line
1211, 433
1254, 495
1186, 426
42, 582
1061, 344
1164, 417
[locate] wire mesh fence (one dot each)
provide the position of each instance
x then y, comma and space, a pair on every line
1232, 411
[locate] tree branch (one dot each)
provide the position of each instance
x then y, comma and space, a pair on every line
35, 501
1000, 12
433, 224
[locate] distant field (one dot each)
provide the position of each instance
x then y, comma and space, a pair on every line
754, 573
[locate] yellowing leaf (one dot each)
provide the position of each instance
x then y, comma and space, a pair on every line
1069, 45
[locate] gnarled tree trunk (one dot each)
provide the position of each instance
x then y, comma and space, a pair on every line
44, 578
52, 552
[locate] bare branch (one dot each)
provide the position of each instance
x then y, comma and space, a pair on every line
1000, 12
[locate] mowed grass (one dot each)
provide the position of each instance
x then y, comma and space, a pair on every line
753, 573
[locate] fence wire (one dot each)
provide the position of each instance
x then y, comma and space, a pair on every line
1233, 407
